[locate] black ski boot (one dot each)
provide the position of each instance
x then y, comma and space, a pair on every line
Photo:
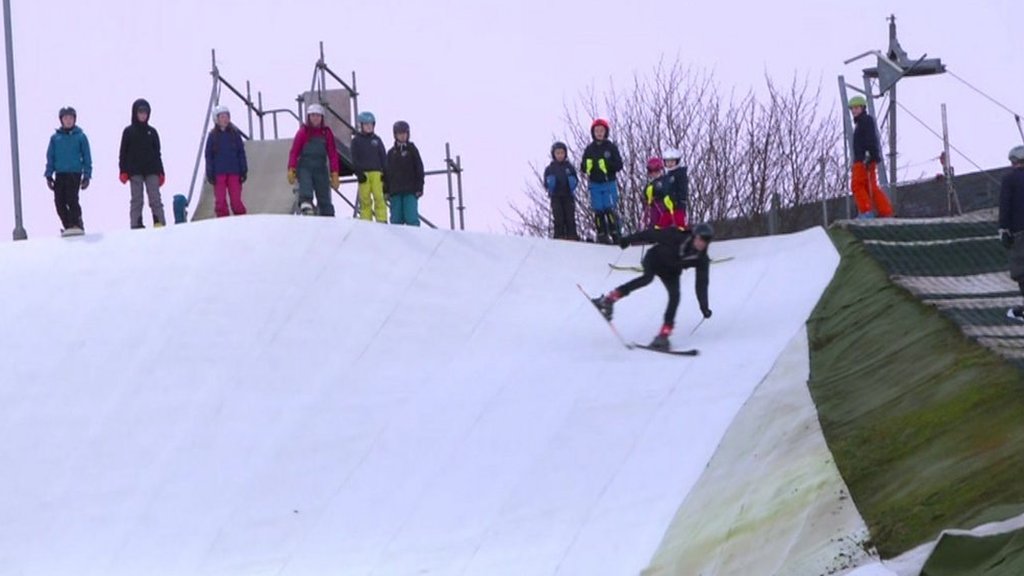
660, 341
605, 306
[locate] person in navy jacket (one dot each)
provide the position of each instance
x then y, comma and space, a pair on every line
561, 181
226, 166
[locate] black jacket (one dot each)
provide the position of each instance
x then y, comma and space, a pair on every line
865, 139
1011, 201
673, 252
677, 185
140, 146
601, 161
368, 153
404, 170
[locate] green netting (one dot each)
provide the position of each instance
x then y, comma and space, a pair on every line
909, 232
999, 555
954, 259
925, 426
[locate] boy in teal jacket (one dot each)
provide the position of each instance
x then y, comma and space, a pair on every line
68, 170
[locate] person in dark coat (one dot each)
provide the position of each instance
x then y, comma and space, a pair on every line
404, 184
601, 163
871, 199
674, 250
226, 165
560, 181
1011, 222
141, 164
370, 159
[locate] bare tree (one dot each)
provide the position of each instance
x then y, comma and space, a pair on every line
745, 154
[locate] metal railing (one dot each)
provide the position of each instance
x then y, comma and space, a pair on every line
256, 119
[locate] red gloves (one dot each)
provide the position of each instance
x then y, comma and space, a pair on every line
124, 177
162, 180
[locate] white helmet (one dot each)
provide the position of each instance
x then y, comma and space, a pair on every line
1017, 154
672, 154
220, 109
315, 109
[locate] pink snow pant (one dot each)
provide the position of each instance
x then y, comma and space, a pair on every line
228, 185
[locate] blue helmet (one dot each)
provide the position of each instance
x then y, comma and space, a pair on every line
366, 118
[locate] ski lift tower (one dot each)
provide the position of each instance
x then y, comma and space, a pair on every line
890, 68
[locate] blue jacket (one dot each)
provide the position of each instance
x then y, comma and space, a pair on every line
865, 139
560, 178
1011, 201
225, 153
68, 152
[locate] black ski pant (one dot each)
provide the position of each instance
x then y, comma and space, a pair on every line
65, 196
563, 212
668, 276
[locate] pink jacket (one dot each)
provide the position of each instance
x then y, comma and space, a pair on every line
303, 135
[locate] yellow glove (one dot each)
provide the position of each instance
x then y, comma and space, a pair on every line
292, 178
335, 180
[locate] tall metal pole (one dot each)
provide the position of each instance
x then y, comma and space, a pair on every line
952, 198
451, 197
19, 228
847, 140
458, 181
892, 139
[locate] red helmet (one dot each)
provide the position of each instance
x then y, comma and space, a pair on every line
599, 122
655, 165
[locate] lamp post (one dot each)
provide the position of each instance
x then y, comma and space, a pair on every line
19, 229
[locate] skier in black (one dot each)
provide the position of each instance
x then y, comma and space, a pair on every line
674, 250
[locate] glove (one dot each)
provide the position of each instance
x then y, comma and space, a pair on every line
336, 180
624, 243
211, 179
50, 183
1006, 237
292, 177
419, 193
163, 179
243, 177
706, 312
85, 183
360, 176
123, 177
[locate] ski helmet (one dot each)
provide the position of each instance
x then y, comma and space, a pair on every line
858, 101
221, 109
314, 109
600, 122
655, 165
401, 127
559, 146
366, 118
672, 154
704, 231
1017, 154
67, 111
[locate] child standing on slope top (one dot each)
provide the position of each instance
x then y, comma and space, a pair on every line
68, 170
313, 152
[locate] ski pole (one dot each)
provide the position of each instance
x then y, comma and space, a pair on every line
697, 326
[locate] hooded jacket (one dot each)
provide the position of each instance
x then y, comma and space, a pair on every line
404, 169
368, 153
140, 146
69, 153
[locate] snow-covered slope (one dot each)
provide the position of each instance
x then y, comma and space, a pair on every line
279, 395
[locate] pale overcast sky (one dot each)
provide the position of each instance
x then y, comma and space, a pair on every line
491, 78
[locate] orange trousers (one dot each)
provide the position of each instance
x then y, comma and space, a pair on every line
866, 192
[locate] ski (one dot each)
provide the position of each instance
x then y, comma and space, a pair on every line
690, 352
639, 269
614, 330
